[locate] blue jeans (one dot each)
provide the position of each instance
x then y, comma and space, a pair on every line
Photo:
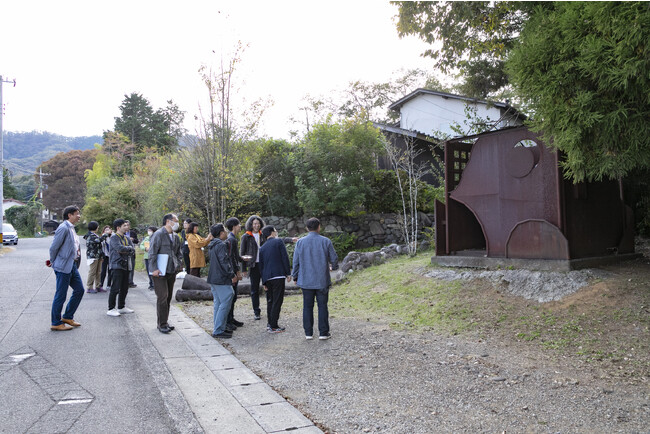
222, 295
63, 281
321, 296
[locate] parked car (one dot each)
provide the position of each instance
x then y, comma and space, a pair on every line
9, 234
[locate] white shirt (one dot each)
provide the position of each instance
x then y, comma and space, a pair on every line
77, 249
256, 235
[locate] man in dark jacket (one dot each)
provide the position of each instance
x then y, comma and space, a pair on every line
221, 276
121, 251
274, 267
234, 227
165, 261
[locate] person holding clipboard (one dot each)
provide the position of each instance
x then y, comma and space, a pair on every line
165, 261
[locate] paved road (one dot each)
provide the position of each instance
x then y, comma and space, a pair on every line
118, 374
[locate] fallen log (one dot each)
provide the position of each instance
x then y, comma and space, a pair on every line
195, 283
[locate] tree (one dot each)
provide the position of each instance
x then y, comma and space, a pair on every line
65, 179
215, 169
335, 164
145, 127
366, 100
409, 173
8, 189
24, 218
586, 69
473, 38
275, 177
580, 68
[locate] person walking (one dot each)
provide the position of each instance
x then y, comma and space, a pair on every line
313, 259
94, 258
121, 258
234, 227
221, 277
144, 245
274, 268
64, 253
165, 261
196, 243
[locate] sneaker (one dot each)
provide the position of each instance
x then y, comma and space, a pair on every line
223, 335
325, 337
237, 323
101, 290
132, 285
230, 328
113, 312
125, 310
309, 338
91, 291
275, 330
257, 316
151, 288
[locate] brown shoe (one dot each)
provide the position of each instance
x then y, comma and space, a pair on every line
60, 328
71, 322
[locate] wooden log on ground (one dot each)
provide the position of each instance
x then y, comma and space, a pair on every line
193, 295
195, 283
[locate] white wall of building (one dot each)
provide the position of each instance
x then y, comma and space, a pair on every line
434, 114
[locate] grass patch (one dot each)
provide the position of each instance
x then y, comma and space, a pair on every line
395, 293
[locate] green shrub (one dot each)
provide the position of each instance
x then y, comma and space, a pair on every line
23, 218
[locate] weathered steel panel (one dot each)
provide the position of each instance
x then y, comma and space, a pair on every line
537, 239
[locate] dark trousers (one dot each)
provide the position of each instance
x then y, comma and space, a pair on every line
63, 281
195, 272
146, 266
274, 299
321, 296
120, 285
164, 287
186, 259
231, 314
106, 272
254, 274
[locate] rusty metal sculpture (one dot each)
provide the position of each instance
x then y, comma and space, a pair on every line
506, 198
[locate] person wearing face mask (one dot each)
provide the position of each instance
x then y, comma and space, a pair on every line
163, 269
144, 245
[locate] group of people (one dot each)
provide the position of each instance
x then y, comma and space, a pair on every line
262, 257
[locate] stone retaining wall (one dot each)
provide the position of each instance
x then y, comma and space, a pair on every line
370, 229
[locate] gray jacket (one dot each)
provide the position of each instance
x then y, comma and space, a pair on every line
62, 250
311, 262
162, 243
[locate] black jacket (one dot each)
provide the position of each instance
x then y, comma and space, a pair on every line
233, 251
274, 260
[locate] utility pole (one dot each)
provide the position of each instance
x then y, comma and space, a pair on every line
40, 189
2, 167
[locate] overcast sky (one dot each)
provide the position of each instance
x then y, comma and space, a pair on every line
74, 61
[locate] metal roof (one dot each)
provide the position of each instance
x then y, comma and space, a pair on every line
399, 103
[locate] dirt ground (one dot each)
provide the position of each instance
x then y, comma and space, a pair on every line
580, 364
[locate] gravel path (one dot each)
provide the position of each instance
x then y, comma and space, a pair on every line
369, 378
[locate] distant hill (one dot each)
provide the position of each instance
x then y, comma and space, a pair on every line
24, 152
